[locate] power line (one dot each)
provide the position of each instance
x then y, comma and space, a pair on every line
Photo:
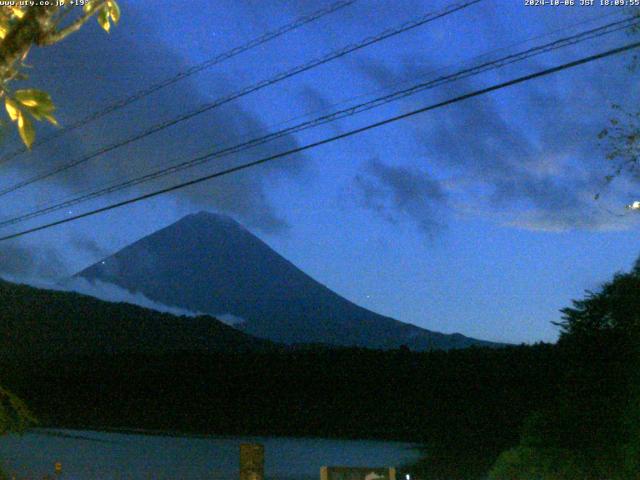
263, 84
362, 107
123, 102
397, 83
334, 138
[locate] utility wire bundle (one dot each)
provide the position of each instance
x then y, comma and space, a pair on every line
321, 120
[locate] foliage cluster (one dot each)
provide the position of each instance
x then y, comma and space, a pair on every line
22, 28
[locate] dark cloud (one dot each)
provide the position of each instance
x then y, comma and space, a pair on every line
402, 192
90, 246
536, 162
94, 69
27, 262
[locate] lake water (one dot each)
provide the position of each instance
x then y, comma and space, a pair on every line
88, 455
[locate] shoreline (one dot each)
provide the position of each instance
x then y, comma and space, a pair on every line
61, 432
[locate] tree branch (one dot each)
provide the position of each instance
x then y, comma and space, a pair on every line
55, 37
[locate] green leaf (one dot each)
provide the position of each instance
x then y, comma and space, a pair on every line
35, 100
37, 115
51, 119
103, 19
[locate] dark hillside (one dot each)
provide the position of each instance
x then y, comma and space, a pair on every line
36, 322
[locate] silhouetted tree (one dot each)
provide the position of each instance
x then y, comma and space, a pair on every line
592, 430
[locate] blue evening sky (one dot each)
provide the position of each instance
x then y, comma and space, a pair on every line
476, 218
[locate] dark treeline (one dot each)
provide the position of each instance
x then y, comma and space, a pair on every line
591, 429
473, 399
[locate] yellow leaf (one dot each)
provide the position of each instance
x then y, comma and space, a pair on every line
26, 130
89, 6
3, 31
114, 10
103, 19
18, 12
12, 109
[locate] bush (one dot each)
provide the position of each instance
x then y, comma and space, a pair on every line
526, 463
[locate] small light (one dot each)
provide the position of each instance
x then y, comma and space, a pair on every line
634, 206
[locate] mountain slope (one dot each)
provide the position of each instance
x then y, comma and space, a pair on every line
209, 263
36, 322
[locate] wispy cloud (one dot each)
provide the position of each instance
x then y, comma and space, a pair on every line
541, 174
113, 293
32, 261
402, 193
